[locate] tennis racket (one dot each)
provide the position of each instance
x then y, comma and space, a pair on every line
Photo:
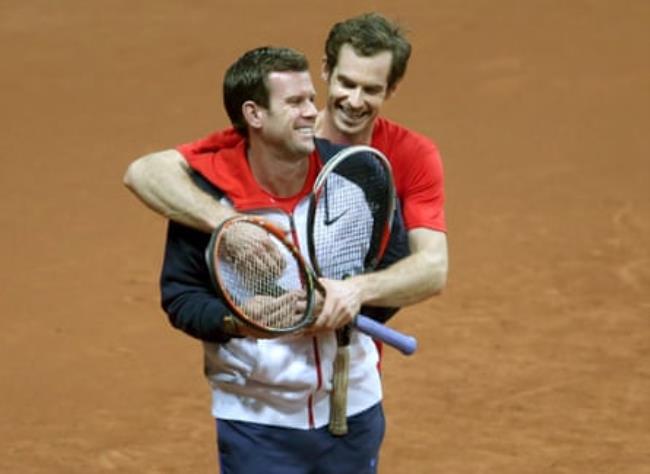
349, 222
269, 286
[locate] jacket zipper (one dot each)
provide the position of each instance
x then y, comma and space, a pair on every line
319, 372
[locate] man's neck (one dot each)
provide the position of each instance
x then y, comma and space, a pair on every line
325, 128
278, 174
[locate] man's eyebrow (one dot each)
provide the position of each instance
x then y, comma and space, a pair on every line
344, 78
300, 96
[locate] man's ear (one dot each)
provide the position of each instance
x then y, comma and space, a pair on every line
252, 114
325, 70
391, 92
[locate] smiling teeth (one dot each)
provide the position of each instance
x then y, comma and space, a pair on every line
353, 116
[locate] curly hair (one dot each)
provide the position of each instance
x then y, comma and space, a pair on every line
370, 34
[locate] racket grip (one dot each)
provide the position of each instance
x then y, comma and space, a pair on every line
339, 399
402, 342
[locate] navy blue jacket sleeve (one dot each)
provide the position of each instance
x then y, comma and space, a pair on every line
187, 295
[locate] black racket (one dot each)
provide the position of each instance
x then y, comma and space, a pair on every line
348, 227
350, 213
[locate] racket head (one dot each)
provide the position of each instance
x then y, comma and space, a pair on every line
266, 283
351, 213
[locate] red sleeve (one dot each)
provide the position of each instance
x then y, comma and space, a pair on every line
423, 189
200, 150
418, 173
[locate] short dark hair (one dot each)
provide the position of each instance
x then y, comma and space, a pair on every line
370, 34
246, 79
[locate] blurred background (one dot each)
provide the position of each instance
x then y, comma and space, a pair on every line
536, 358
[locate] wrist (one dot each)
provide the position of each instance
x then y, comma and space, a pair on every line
366, 288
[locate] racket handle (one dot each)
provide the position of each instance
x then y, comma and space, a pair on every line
402, 342
339, 399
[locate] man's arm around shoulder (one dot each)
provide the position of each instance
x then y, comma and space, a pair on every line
163, 181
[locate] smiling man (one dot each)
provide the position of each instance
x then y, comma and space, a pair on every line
365, 59
357, 90
271, 396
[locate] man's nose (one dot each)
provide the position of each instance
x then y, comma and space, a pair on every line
310, 109
356, 98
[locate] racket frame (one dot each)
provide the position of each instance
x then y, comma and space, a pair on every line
319, 187
307, 276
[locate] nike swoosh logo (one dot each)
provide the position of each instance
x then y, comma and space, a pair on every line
331, 221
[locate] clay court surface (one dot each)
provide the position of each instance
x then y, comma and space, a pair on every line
536, 359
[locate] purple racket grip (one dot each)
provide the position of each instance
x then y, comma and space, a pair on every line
400, 341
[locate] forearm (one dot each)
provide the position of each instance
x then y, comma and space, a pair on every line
414, 278
163, 182
186, 291
199, 315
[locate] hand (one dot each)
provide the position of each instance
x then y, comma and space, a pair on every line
279, 312
341, 303
283, 311
251, 252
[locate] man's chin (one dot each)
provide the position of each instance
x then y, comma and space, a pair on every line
306, 149
348, 128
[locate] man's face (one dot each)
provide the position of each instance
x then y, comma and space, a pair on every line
290, 118
357, 88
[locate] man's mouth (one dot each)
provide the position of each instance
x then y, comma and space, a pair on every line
306, 131
351, 115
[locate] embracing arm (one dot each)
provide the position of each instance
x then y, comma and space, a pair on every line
414, 268
163, 182
414, 278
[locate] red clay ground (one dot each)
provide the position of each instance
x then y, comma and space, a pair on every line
535, 360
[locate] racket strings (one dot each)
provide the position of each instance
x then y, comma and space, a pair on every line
260, 277
351, 215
